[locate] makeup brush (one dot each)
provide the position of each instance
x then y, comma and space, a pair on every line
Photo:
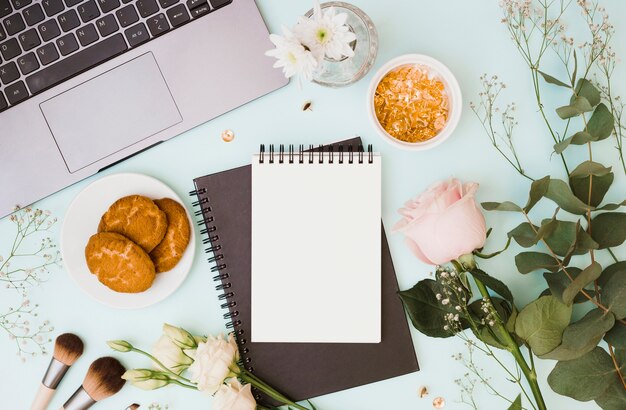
67, 349
133, 406
103, 379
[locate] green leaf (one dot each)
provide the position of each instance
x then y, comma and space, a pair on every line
559, 281
609, 229
517, 403
578, 106
538, 189
524, 234
541, 323
579, 181
561, 194
485, 332
580, 138
614, 397
427, 314
611, 207
617, 335
551, 80
582, 336
529, 261
588, 275
501, 206
614, 295
601, 123
590, 377
492, 283
584, 88
561, 235
618, 268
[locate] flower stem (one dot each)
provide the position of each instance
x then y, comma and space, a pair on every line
248, 377
188, 386
162, 366
513, 348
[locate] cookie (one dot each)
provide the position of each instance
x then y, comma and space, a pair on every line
167, 254
119, 263
137, 218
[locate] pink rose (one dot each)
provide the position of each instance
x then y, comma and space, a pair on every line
443, 223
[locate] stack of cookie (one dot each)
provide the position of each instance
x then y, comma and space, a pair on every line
137, 238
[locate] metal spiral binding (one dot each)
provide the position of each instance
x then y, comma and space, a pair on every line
227, 297
359, 154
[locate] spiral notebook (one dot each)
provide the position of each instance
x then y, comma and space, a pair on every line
300, 370
316, 245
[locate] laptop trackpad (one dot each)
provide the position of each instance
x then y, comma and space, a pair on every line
111, 112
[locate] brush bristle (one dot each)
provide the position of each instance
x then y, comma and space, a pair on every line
104, 378
133, 406
68, 348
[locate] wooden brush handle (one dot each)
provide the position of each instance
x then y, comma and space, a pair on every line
43, 397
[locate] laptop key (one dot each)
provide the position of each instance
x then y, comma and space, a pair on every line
108, 5
200, 10
107, 25
14, 24
69, 20
88, 11
28, 63
9, 73
3, 34
5, 8
29, 39
33, 14
220, 3
3, 103
127, 15
167, 3
76, 63
16, 92
18, 4
47, 54
147, 7
52, 7
67, 44
137, 34
10, 49
192, 4
49, 30
87, 35
178, 15
71, 3
158, 24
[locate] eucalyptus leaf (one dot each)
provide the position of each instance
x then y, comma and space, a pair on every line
529, 261
517, 403
559, 281
614, 295
427, 314
548, 226
492, 283
609, 229
559, 192
617, 335
618, 268
579, 105
614, 397
587, 168
582, 336
561, 236
601, 123
538, 189
501, 206
594, 175
524, 234
611, 207
541, 323
588, 275
584, 88
551, 80
579, 138
589, 377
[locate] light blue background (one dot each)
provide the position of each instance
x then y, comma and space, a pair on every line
465, 35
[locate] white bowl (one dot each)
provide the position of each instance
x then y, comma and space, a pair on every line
436, 69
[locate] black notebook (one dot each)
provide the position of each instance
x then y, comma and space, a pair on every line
299, 370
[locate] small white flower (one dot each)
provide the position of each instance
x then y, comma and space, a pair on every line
214, 361
438, 296
234, 396
328, 31
445, 301
446, 327
292, 56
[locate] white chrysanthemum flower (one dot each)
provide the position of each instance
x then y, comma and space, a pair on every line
328, 31
292, 56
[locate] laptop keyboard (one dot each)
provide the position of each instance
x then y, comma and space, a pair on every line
45, 42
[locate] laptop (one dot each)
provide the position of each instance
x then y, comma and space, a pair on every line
85, 84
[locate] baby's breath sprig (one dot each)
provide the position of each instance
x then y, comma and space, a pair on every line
30, 338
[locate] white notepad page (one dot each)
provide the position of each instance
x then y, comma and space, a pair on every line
316, 250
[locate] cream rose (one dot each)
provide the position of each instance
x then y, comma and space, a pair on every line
234, 396
214, 361
172, 356
443, 223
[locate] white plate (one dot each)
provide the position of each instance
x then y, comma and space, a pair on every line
81, 222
